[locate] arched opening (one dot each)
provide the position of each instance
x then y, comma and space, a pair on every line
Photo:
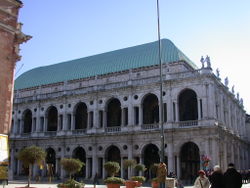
188, 108
150, 109
151, 157
114, 113
27, 121
190, 161
81, 116
52, 116
79, 153
51, 162
113, 154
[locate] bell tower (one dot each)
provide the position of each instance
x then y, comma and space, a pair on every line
11, 37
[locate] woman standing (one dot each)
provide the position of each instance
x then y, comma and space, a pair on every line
201, 181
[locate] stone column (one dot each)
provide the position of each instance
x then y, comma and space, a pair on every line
72, 122
58, 123
224, 166
122, 170
169, 109
94, 161
122, 117
45, 124
176, 111
62, 173
88, 120
104, 119
170, 157
131, 115
215, 152
130, 156
87, 167
140, 115
199, 108
103, 169
178, 166
96, 116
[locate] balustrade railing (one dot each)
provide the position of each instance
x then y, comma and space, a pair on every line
78, 131
112, 129
50, 133
150, 126
188, 123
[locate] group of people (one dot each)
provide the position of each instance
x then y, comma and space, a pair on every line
230, 179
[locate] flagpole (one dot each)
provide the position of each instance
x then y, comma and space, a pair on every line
162, 156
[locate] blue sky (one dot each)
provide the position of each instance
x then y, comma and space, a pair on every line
65, 30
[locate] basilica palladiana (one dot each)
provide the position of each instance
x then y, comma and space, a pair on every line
105, 107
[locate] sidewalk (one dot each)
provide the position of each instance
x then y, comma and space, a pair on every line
14, 184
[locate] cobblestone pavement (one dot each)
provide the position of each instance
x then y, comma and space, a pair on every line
17, 184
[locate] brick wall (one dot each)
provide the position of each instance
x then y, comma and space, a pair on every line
10, 39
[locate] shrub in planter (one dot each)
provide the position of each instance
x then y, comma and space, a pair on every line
155, 183
112, 168
129, 164
140, 168
71, 166
138, 178
114, 180
70, 183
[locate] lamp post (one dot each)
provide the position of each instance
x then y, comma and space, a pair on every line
162, 156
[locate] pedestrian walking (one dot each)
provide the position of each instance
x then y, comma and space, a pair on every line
232, 178
201, 181
217, 179
96, 182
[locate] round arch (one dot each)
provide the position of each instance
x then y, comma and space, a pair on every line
114, 110
52, 118
188, 106
150, 105
27, 121
151, 156
190, 161
81, 115
79, 153
113, 153
51, 161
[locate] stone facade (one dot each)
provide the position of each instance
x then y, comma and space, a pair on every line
10, 39
121, 121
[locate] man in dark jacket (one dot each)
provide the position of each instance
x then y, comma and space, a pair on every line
232, 178
217, 179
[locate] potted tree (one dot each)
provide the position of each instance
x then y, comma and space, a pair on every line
139, 168
29, 156
155, 183
130, 164
112, 168
71, 166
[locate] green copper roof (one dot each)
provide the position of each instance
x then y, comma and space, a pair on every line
114, 61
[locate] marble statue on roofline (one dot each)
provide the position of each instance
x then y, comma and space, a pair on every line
233, 89
218, 73
241, 101
208, 61
226, 81
238, 96
202, 61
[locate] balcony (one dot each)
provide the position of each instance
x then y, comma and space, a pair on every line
112, 129
150, 126
79, 131
190, 123
50, 133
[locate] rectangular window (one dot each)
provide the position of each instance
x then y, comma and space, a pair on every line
125, 116
61, 122
165, 112
100, 118
41, 124
91, 123
19, 126
136, 115
201, 108
69, 121
34, 124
